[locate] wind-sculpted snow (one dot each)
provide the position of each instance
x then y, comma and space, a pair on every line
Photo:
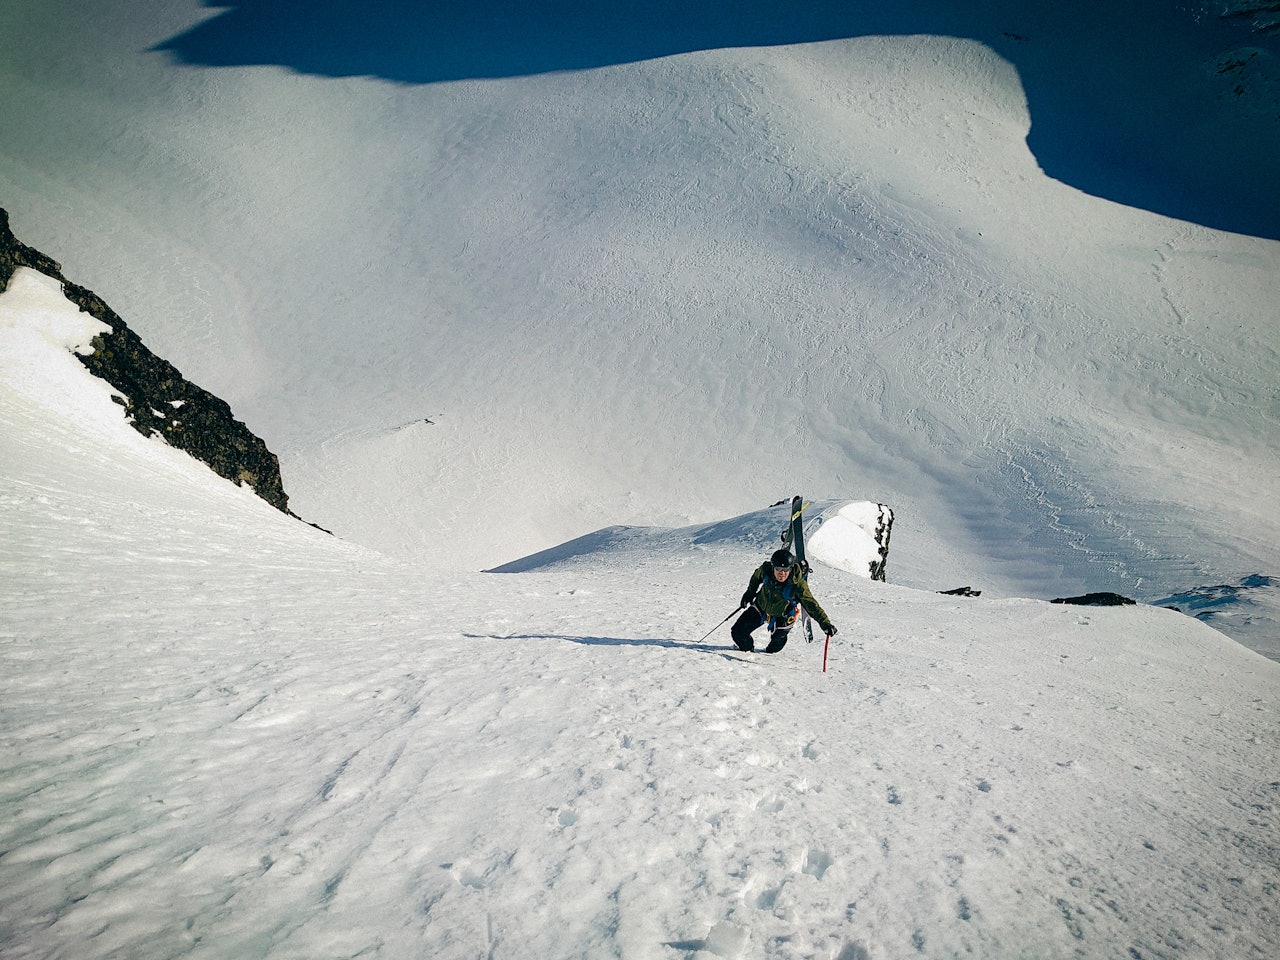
1130, 103
668, 291
752, 529
849, 535
227, 735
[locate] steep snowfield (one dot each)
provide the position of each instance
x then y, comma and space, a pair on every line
226, 734
672, 291
480, 318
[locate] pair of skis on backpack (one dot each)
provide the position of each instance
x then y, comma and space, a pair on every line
793, 540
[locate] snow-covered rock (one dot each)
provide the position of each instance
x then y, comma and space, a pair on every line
852, 536
157, 399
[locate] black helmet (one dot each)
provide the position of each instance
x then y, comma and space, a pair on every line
782, 559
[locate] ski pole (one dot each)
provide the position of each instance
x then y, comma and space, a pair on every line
825, 645
719, 625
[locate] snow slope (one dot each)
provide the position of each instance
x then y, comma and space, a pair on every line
226, 734
674, 290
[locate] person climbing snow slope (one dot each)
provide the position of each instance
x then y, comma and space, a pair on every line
775, 595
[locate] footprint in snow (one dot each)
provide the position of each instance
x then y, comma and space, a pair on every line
817, 863
853, 951
465, 875
725, 939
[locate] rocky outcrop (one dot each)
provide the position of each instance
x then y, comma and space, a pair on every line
1261, 16
1097, 600
884, 527
158, 399
852, 535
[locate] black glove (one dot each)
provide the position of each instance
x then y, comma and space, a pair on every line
746, 600
829, 629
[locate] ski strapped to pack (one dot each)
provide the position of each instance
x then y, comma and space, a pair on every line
793, 534
793, 540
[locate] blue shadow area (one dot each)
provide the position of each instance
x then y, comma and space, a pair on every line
432, 41
599, 541
1162, 106
748, 531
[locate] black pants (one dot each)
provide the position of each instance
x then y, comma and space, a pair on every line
747, 624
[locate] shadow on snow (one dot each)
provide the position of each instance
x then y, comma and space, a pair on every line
665, 642
1161, 106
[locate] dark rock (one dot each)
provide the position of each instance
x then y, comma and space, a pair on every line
15, 254
1098, 600
961, 592
884, 528
157, 399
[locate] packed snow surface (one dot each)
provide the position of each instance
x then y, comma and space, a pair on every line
579, 326
227, 734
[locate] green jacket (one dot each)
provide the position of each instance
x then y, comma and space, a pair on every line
775, 599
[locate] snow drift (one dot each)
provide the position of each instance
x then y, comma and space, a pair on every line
848, 535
